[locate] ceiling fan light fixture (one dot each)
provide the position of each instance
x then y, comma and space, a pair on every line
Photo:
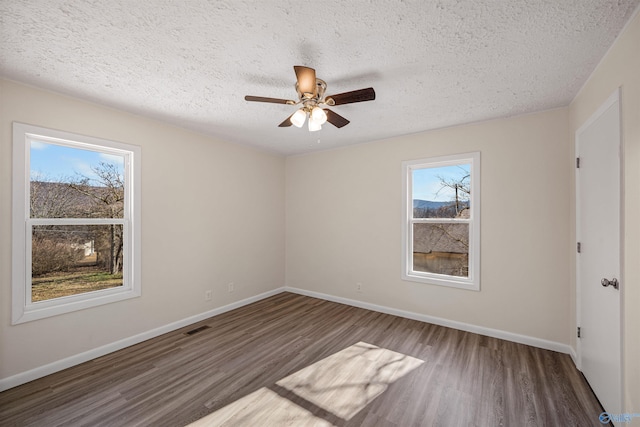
311, 94
297, 119
319, 115
314, 125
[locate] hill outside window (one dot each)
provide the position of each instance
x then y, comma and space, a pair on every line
441, 221
76, 222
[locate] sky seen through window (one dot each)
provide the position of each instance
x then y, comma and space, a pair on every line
427, 182
59, 163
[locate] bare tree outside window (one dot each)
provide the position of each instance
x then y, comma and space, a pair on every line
105, 199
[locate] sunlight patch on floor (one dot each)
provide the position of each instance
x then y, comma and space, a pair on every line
342, 384
346, 382
263, 407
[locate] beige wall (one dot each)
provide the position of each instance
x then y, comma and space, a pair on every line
621, 68
344, 224
212, 213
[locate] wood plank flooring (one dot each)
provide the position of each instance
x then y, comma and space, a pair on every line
461, 379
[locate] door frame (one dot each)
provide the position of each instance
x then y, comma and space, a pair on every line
612, 99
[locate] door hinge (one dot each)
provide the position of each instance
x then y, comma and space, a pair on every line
578, 331
578, 162
579, 247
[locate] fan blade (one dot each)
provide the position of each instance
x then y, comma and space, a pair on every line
360, 95
306, 80
286, 123
336, 119
272, 100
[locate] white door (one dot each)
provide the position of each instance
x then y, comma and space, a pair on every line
598, 233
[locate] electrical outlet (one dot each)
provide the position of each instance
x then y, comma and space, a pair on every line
208, 295
358, 287
231, 287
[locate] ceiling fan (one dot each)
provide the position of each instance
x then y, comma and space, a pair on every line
311, 95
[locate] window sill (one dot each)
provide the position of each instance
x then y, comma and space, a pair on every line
440, 280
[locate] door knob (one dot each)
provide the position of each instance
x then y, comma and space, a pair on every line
613, 282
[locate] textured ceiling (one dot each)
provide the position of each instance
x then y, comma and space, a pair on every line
432, 63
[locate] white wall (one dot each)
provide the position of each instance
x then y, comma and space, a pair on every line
344, 224
621, 68
212, 213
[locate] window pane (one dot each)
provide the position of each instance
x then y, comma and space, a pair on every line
74, 259
441, 192
69, 182
441, 249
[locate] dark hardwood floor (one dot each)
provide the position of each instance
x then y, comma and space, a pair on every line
461, 379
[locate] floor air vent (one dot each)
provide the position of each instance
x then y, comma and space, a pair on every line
196, 330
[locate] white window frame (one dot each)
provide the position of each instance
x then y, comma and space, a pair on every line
472, 282
23, 309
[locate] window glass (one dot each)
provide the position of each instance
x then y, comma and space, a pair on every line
441, 249
70, 182
441, 192
74, 259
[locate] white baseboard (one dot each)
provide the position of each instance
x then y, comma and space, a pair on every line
574, 356
495, 333
42, 371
